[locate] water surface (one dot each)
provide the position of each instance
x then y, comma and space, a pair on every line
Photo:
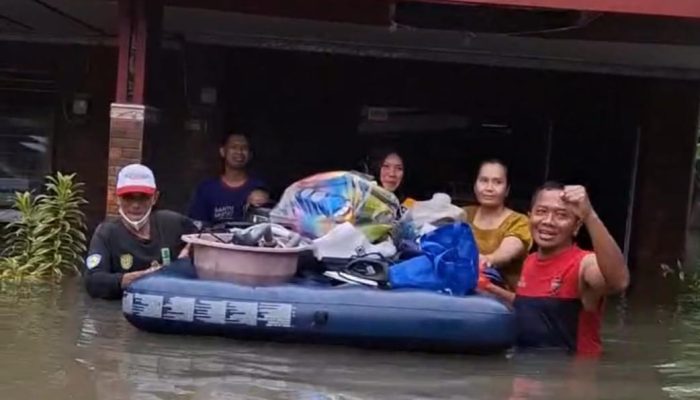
57, 343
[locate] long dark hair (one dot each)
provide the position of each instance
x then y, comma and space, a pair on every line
376, 162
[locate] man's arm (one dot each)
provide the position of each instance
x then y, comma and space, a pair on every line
608, 263
608, 260
188, 227
484, 285
503, 294
100, 281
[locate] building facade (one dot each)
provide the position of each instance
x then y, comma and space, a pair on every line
604, 93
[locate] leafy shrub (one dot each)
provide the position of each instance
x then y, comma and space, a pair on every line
48, 240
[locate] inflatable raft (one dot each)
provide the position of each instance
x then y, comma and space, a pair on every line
174, 301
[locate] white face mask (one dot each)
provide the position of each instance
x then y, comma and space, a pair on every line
136, 225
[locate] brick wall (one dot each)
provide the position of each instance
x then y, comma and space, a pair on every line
127, 123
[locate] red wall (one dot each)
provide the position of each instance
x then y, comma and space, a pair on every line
674, 8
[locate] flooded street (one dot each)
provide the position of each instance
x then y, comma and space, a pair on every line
59, 344
354, 114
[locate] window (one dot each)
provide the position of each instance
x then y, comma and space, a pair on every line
25, 149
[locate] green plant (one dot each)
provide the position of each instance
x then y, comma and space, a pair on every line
690, 280
19, 233
49, 238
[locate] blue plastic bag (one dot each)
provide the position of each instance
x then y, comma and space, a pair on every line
449, 263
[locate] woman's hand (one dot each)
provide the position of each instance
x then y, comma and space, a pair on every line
484, 262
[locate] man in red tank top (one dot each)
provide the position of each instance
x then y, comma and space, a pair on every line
559, 299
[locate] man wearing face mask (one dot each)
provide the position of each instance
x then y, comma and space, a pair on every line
139, 242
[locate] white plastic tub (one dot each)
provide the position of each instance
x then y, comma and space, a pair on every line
255, 266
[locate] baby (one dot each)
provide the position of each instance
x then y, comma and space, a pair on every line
258, 198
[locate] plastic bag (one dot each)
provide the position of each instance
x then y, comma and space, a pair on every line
426, 215
449, 263
346, 241
315, 205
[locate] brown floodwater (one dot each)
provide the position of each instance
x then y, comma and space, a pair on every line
57, 343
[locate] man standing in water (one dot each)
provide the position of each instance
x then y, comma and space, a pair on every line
224, 198
559, 298
139, 242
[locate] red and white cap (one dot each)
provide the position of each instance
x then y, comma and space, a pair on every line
135, 178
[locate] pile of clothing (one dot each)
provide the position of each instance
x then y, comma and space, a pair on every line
262, 234
362, 235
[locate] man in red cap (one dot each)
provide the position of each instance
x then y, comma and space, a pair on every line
139, 242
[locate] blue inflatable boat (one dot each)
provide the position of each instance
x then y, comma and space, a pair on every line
175, 301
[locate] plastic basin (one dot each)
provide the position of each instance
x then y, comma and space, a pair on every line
253, 266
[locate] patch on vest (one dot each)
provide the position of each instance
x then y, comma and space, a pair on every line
126, 261
165, 255
93, 260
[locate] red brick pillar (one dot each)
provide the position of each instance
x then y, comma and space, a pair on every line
128, 124
140, 24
